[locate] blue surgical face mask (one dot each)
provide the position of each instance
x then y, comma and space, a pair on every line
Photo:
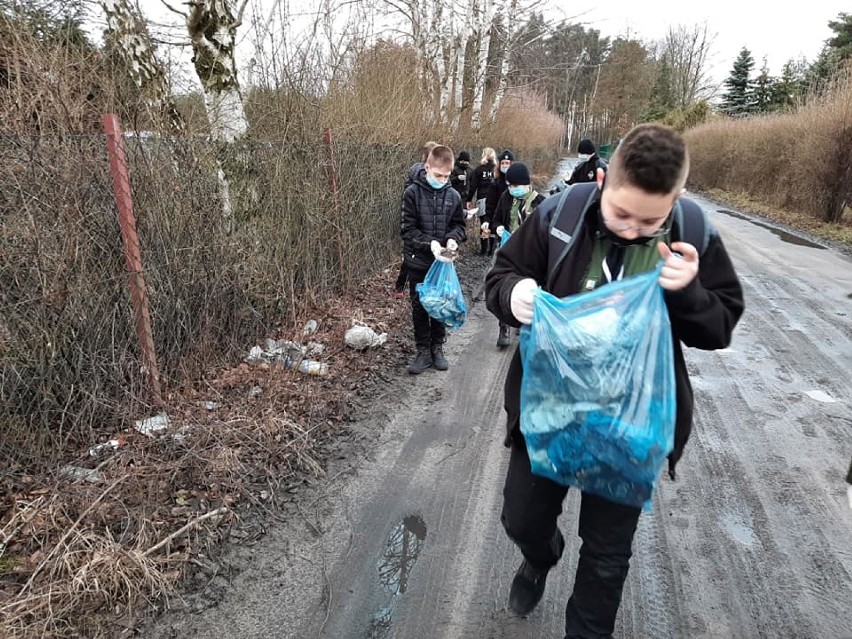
584, 157
503, 169
518, 191
434, 182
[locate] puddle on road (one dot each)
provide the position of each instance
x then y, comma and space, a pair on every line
738, 530
402, 549
785, 236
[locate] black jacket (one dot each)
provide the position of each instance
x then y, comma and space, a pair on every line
586, 171
429, 215
483, 175
504, 209
460, 180
703, 315
497, 188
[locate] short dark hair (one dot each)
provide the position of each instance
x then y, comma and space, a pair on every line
652, 157
442, 155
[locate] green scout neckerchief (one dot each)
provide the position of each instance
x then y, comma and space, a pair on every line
516, 203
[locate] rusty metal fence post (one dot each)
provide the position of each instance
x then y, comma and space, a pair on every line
132, 253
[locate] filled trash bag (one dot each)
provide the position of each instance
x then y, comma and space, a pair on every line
505, 237
598, 389
441, 295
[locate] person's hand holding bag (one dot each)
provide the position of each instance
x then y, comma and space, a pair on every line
521, 300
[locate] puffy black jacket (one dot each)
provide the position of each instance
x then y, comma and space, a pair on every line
429, 214
703, 315
483, 175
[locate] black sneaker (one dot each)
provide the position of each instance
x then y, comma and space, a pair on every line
503, 340
527, 589
421, 362
438, 360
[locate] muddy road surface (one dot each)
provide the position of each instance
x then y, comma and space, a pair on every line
403, 537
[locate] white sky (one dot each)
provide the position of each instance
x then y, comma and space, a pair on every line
779, 35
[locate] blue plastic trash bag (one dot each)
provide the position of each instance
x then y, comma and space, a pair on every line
441, 295
598, 389
505, 237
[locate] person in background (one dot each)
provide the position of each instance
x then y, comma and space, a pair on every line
433, 226
497, 188
586, 169
483, 176
413, 171
514, 207
461, 176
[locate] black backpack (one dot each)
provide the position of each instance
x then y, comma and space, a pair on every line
574, 202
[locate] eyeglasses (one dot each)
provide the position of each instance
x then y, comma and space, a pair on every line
621, 228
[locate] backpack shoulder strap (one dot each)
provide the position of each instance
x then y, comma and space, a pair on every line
565, 222
692, 224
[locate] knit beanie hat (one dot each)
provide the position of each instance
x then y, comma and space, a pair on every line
507, 155
464, 156
518, 174
586, 146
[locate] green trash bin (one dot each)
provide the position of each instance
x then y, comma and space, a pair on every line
605, 150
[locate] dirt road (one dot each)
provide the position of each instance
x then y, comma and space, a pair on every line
403, 539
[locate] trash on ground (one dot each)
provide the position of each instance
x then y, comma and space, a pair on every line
362, 337
255, 391
89, 474
309, 367
152, 425
106, 447
310, 327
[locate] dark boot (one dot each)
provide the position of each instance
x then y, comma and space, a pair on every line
421, 362
492, 244
527, 589
503, 339
438, 360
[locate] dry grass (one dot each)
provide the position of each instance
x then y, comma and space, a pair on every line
800, 161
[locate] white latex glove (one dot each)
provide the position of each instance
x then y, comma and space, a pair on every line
521, 300
500, 230
484, 226
436, 247
452, 245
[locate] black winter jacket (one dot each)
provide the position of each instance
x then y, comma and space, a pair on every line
586, 171
429, 215
483, 175
460, 180
703, 315
504, 209
498, 187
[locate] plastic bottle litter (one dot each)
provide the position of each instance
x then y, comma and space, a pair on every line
107, 447
310, 367
363, 337
152, 425
310, 327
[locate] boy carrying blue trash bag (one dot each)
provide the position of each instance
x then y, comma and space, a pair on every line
589, 237
433, 226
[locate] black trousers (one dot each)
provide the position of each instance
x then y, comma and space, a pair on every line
531, 506
428, 332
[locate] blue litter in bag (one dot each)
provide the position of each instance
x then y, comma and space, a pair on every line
598, 389
504, 238
441, 295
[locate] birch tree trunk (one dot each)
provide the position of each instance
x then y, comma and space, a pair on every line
510, 9
484, 12
212, 29
136, 50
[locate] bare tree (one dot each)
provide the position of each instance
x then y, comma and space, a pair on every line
686, 50
128, 29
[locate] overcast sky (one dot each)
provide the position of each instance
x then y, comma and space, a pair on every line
779, 35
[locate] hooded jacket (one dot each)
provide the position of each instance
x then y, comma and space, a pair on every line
429, 214
483, 175
703, 315
460, 180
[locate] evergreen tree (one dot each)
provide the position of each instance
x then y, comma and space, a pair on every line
738, 99
762, 93
841, 43
787, 90
662, 96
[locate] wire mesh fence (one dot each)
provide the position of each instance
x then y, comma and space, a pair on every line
70, 366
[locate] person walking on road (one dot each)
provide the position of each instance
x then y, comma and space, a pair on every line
627, 225
433, 226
